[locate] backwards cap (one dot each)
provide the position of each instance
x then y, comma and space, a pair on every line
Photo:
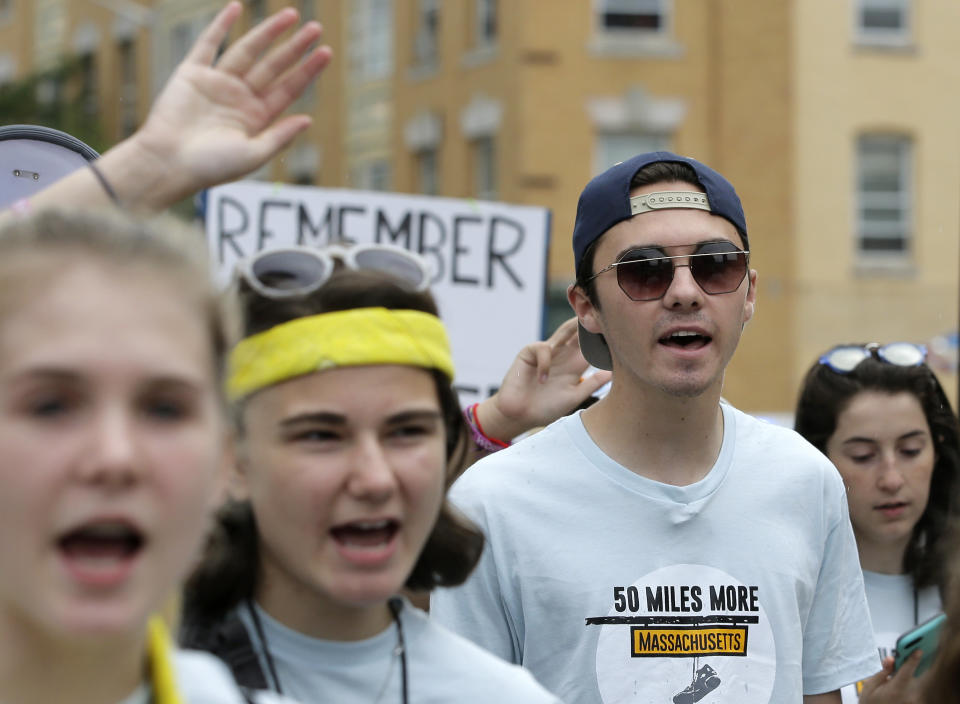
606, 200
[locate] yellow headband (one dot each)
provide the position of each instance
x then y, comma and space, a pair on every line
348, 338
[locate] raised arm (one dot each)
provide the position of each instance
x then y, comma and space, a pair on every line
544, 382
214, 121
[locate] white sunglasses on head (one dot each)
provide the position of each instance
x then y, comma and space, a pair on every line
290, 272
843, 359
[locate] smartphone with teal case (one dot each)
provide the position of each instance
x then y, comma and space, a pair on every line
923, 637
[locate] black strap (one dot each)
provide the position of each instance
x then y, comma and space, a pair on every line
267, 655
229, 641
396, 605
916, 606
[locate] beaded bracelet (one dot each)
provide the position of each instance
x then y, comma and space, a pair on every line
480, 438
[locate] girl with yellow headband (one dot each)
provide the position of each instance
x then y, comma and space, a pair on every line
349, 433
113, 446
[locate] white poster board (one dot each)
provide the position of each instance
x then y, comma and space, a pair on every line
489, 258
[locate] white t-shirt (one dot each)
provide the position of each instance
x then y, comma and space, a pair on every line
204, 679
610, 587
441, 666
891, 600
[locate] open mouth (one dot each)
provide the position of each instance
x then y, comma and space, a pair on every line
365, 534
686, 339
103, 543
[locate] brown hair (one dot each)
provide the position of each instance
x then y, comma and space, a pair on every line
30, 247
825, 394
943, 680
230, 571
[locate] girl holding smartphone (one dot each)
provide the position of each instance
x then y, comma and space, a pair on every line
881, 416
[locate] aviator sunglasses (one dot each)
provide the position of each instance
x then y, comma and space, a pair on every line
843, 359
298, 271
645, 274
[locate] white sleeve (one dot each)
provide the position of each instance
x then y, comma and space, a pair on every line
482, 609
838, 642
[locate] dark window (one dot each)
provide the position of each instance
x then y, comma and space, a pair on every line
884, 194
632, 15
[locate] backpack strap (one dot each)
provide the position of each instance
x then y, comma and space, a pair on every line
228, 640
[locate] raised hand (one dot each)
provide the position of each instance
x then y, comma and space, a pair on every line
219, 119
215, 120
544, 382
889, 687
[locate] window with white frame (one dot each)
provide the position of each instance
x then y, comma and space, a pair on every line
486, 22
88, 92
305, 103
371, 39
308, 10
8, 68
633, 15
884, 195
181, 39
257, 10
882, 21
426, 41
428, 181
127, 62
484, 152
614, 147
373, 175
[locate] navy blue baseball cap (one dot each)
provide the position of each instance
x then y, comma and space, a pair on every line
606, 200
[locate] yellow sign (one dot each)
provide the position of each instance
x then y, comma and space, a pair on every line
688, 641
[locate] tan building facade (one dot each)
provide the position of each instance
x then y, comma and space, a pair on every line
525, 101
877, 174
836, 120
109, 38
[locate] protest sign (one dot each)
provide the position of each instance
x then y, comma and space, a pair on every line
488, 258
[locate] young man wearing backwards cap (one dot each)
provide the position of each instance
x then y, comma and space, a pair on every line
662, 546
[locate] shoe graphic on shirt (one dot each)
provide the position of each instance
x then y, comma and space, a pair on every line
706, 681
